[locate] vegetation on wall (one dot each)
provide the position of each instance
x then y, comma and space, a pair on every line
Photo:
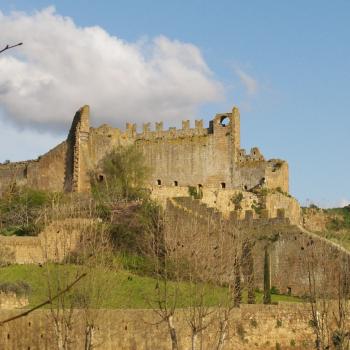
21, 209
122, 175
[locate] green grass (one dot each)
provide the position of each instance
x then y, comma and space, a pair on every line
123, 289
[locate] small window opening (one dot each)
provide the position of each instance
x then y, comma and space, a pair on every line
200, 186
8, 336
245, 187
159, 182
176, 183
223, 185
100, 178
224, 121
289, 291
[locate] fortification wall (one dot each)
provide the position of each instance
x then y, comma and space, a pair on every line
10, 172
292, 249
190, 156
251, 327
9, 301
54, 243
210, 157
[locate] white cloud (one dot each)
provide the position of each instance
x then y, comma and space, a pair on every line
250, 84
62, 66
343, 203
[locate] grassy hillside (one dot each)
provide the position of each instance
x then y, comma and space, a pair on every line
125, 289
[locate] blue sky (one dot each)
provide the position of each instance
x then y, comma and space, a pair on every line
286, 65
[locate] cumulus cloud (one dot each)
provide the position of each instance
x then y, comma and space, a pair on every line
250, 84
62, 66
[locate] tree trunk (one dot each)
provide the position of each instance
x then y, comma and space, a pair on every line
173, 336
194, 340
267, 278
237, 293
89, 336
223, 334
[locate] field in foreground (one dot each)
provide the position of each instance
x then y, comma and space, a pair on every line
120, 288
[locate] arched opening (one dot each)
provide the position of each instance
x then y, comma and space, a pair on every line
176, 183
159, 182
223, 185
100, 178
224, 120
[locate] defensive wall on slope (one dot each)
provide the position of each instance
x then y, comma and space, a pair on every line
204, 233
201, 156
251, 327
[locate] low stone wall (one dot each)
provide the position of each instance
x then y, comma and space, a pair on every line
12, 301
250, 327
56, 241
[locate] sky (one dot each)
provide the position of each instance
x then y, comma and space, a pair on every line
285, 65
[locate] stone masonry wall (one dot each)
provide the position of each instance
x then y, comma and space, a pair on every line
210, 157
55, 242
251, 327
194, 227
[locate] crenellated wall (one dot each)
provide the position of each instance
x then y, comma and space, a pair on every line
292, 249
200, 156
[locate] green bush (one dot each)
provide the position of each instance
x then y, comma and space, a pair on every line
19, 287
195, 192
274, 290
20, 210
124, 175
236, 200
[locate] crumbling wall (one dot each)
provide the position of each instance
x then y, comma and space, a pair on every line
208, 157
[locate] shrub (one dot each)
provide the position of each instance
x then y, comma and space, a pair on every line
237, 200
124, 175
274, 290
19, 287
195, 193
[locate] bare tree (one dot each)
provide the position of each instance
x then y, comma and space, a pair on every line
328, 295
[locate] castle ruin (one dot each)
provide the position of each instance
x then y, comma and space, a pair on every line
203, 157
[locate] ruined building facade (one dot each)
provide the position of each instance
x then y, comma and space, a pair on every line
208, 157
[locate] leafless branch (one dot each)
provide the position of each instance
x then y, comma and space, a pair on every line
7, 47
48, 301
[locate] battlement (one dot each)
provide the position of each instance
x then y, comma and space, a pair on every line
237, 217
172, 132
254, 156
196, 155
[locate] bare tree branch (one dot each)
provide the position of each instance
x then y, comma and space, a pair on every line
7, 47
48, 301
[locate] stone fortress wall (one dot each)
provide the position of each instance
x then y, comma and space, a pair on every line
291, 248
54, 243
258, 327
208, 157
